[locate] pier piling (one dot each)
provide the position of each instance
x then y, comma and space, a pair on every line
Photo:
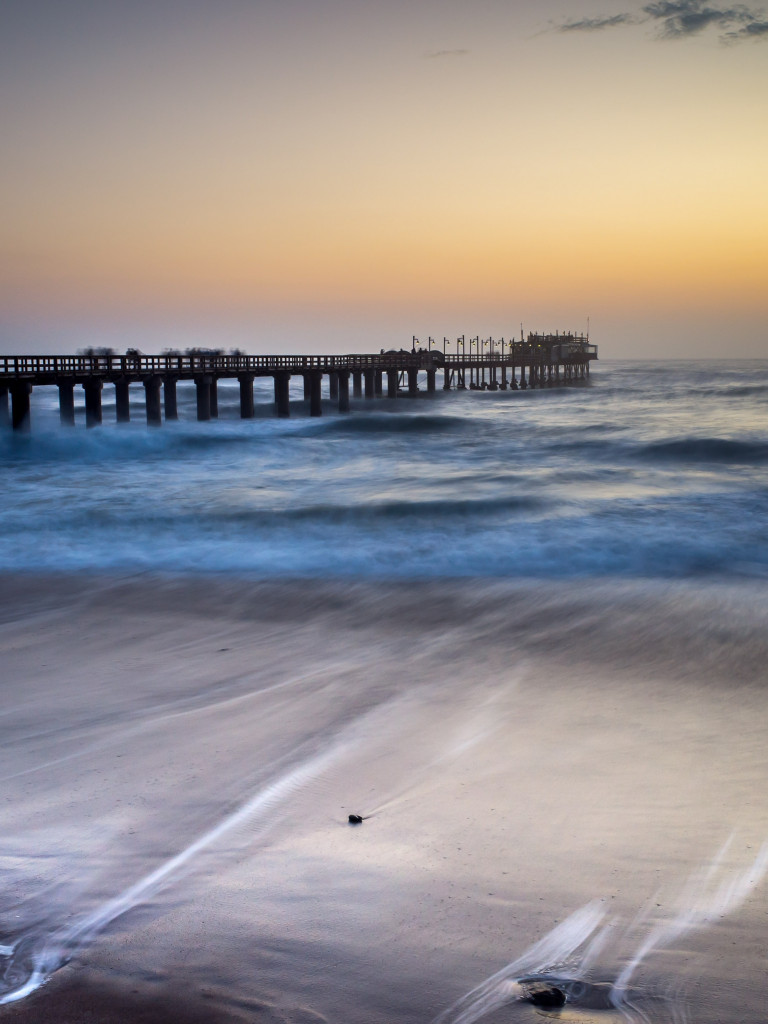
67, 402
122, 401
343, 377
152, 398
170, 405
246, 396
392, 383
92, 389
20, 406
283, 394
315, 394
203, 396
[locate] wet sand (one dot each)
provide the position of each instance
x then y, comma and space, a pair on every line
179, 759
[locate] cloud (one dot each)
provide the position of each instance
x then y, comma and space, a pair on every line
680, 19
595, 24
447, 53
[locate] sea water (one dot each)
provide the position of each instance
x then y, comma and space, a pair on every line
647, 470
522, 634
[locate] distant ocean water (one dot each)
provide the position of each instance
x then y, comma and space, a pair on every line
650, 470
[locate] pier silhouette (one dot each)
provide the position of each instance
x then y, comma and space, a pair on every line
477, 364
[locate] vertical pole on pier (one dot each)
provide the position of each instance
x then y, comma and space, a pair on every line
378, 380
307, 387
315, 394
431, 380
170, 405
392, 383
20, 418
282, 394
413, 380
343, 390
357, 384
66, 402
370, 384
122, 401
92, 389
203, 389
523, 381
333, 386
446, 379
214, 398
5, 412
246, 396
152, 396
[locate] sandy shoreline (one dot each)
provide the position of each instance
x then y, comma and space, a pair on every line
521, 750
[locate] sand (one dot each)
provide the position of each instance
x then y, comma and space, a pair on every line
180, 757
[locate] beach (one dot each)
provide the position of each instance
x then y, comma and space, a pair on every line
180, 757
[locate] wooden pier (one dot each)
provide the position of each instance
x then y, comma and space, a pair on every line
541, 360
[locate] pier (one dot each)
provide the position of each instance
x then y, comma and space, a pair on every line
476, 364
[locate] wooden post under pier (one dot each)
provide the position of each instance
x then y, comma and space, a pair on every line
246, 396
203, 396
152, 398
170, 404
20, 418
283, 394
66, 401
122, 401
92, 389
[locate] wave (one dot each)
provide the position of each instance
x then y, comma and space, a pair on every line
396, 423
706, 449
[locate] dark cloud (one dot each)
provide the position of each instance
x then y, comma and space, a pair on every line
679, 19
595, 24
447, 53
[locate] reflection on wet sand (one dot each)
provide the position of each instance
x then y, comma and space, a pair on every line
537, 768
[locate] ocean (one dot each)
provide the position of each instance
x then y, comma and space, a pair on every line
650, 471
522, 635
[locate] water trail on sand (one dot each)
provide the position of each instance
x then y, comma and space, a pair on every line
32, 959
556, 950
573, 947
708, 895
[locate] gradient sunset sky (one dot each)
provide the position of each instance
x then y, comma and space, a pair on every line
309, 175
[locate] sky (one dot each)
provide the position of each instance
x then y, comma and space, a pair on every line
341, 175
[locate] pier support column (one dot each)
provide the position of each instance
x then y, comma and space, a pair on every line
152, 396
122, 401
523, 381
92, 389
203, 389
315, 394
246, 396
378, 379
343, 390
282, 394
370, 384
66, 402
307, 386
503, 382
5, 412
214, 398
446, 379
170, 405
413, 380
357, 384
333, 386
392, 382
20, 419
431, 380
